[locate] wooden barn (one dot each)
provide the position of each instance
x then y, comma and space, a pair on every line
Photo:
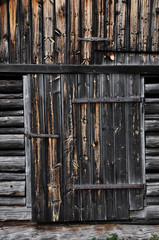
79, 110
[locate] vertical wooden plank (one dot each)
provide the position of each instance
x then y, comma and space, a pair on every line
74, 31
135, 158
121, 8
144, 21
70, 150
60, 31
25, 22
134, 25
86, 30
155, 26
54, 150
85, 201
98, 197
37, 32
4, 52
110, 19
120, 173
15, 25
108, 147
39, 192
27, 129
48, 26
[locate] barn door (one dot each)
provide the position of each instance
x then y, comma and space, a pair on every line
87, 147
103, 147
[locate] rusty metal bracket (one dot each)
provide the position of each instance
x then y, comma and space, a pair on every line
41, 135
108, 186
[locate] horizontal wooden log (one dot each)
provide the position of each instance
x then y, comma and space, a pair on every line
152, 88
12, 188
12, 152
152, 125
152, 190
152, 200
152, 163
12, 121
11, 86
11, 104
12, 201
11, 113
152, 141
12, 141
12, 176
148, 213
11, 95
15, 213
12, 164
152, 117
152, 108
152, 177
12, 130
152, 151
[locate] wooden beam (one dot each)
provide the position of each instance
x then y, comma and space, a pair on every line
49, 68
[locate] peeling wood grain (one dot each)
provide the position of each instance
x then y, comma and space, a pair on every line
48, 22
60, 31
86, 31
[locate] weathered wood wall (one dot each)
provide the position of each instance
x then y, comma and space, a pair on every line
55, 32
47, 31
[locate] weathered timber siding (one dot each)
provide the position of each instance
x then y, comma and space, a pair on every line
48, 31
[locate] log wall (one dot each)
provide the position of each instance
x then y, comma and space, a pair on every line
12, 150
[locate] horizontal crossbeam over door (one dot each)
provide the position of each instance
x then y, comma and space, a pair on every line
42, 135
94, 39
108, 186
71, 69
105, 100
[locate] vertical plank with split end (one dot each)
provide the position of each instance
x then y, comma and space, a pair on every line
38, 151
70, 164
25, 32
48, 26
54, 150
74, 31
4, 51
37, 32
60, 31
86, 31
15, 26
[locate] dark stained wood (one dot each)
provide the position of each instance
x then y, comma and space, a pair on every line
12, 152
14, 23
11, 86
11, 130
151, 88
11, 113
54, 148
